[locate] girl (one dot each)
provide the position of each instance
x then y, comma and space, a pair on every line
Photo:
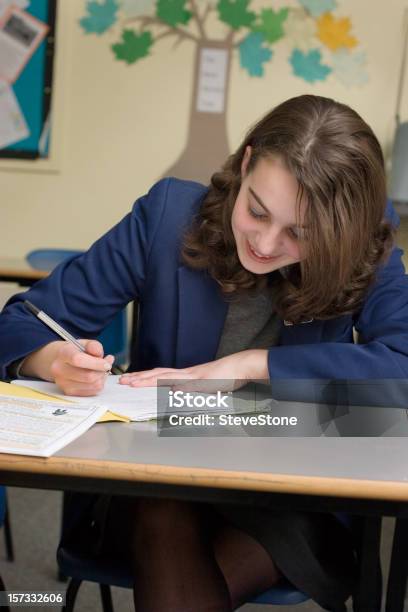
262, 275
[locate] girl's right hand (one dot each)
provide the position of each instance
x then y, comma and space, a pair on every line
78, 373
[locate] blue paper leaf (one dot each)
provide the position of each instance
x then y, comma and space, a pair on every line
318, 7
252, 54
308, 66
101, 16
350, 68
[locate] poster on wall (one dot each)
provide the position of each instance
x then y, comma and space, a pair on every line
26, 59
320, 39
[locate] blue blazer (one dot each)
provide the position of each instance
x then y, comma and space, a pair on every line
182, 311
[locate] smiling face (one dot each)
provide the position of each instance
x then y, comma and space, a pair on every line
264, 220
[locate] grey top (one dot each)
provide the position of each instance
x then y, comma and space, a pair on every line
251, 323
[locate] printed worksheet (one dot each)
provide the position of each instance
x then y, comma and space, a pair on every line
4, 4
145, 403
39, 427
135, 404
20, 35
13, 126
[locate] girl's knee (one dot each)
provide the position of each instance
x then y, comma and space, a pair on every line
159, 517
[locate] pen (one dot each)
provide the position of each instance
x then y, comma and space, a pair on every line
47, 320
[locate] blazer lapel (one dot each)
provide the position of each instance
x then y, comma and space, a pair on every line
301, 333
201, 316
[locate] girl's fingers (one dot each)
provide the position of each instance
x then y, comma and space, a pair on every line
75, 358
152, 381
155, 370
77, 382
81, 375
127, 379
93, 347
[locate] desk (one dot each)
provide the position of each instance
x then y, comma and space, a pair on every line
19, 271
367, 476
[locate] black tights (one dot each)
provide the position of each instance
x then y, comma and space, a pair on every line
181, 563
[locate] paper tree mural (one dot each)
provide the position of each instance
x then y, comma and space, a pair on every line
318, 44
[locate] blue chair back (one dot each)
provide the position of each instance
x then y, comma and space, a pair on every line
114, 336
48, 259
283, 594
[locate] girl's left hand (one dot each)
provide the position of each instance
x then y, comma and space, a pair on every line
229, 372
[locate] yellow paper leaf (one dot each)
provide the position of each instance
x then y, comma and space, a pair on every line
334, 33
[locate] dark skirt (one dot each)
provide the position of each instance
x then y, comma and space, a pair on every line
314, 551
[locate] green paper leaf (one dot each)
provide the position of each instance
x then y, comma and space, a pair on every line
101, 16
138, 8
270, 24
235, 13
173, 12
133, 46
253, 55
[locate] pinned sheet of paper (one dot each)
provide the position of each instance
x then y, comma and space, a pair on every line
13, 126
4, 4
20, 35
211, 81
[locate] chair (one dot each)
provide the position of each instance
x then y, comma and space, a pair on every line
7, 530
108, 572
114, 336
367, 596
398, 576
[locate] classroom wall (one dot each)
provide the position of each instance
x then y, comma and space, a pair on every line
118, 127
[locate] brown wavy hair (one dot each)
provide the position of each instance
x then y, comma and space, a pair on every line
339, 166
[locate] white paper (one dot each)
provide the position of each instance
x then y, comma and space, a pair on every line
4, 4
39, 427
140, 403
13, 126
136, 404
20, 35
211, 80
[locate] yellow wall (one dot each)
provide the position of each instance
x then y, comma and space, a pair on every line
118, 127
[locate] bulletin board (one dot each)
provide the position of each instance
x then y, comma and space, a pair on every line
27, 42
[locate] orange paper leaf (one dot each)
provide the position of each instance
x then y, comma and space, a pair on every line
335, 33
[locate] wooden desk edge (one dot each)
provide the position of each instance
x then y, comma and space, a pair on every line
205, 477
23, 273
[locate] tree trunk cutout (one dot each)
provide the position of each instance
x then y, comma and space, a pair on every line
207, 142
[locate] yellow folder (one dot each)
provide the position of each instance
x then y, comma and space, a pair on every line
16, 391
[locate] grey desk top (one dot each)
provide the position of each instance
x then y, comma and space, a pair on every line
357, 458
316, 462
372, 467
